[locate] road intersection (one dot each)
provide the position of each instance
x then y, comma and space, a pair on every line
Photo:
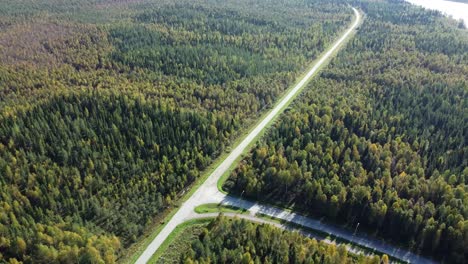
208, 192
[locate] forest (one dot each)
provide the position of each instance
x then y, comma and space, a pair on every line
226, 240
124, 161
379, 140
111, 109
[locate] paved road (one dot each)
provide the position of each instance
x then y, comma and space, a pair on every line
208, 192
291, 217
304, 232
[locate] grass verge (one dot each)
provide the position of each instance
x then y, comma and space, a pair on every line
226, 175
176, 234
132, 254
187, 231
218, 208
324, 235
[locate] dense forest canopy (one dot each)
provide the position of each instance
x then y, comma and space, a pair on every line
84, 166
138, 52
380, 138
226, 240
111, 108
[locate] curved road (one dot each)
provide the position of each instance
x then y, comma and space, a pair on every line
315, 224
278, 225
209, 193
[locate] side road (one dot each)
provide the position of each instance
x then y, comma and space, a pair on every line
315, 224
209, 193
256, 219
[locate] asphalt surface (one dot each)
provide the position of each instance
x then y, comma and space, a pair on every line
258, 220
209, 193
360, 239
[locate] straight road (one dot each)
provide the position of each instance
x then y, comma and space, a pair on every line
208, 191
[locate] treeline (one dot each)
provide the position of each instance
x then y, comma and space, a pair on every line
380, 138
91, 164
227, 240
